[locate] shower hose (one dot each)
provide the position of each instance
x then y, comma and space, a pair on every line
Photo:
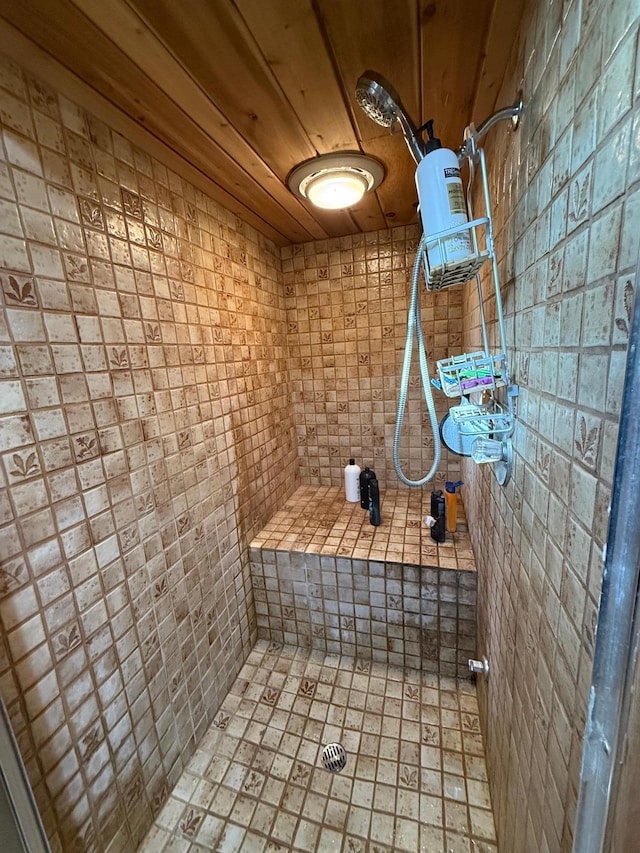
414, 329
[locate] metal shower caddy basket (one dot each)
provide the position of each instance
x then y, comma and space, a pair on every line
476, 374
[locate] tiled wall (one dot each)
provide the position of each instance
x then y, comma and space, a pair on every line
146, 431
567, 209
145, 435
347, 302
413, 616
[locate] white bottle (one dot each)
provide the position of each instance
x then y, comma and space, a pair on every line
442, 204
352, 481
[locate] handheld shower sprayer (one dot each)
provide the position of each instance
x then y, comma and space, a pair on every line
380, 101
446, 244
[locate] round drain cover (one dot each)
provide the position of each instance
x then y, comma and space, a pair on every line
334, 757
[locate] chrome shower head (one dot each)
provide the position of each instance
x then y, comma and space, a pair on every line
380, 101
378, 98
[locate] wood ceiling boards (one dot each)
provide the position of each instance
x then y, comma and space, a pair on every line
245, 90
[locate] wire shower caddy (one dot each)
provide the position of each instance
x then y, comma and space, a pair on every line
481, 377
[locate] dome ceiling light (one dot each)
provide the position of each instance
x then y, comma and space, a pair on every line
335, 181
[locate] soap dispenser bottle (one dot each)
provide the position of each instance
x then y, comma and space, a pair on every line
451, 499
442, 204
352, 482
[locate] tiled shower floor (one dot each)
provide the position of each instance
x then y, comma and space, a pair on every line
415, 778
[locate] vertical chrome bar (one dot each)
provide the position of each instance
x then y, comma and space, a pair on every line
494, 262
23, 826
483, 322
618, 602
470, 214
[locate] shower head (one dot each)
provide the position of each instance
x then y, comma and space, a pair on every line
378, 98
380, 101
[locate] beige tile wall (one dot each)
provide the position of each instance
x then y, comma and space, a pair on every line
146, 431
146, 435
567, 211
418, 617
347, 302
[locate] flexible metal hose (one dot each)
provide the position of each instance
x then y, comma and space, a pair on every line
414, 327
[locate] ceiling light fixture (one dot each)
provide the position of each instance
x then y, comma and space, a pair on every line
335, 181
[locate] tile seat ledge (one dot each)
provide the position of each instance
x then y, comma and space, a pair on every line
318, 520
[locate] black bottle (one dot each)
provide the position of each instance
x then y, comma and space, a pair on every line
365, 478
439, 513
374, 502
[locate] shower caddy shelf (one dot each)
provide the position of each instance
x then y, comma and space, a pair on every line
475, 376
476, 371
479, 378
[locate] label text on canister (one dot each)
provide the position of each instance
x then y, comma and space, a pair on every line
456, 198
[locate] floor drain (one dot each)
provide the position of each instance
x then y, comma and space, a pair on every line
334, 757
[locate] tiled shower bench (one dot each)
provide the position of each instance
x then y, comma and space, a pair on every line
324, 578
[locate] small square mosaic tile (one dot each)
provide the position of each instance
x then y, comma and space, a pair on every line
565, 191
347, 302
414, 779
130, 303
324, 577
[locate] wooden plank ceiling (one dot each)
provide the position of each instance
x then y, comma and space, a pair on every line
245, 90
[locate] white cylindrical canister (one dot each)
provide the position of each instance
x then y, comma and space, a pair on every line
352, 482
442, 205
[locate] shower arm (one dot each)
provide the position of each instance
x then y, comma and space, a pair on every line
473, 135
416, 148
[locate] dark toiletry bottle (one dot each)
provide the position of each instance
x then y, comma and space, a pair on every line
438, 511
374, 502
365, 478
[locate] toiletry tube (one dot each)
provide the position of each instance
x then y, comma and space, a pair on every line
451, 499
352, 482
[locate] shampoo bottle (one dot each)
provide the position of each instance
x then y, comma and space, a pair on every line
442, 204
438, 512
365, 478
451, 498
374, 502
352, 481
